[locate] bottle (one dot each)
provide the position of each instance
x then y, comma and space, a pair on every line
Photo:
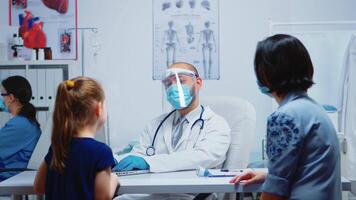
40, 54
34, 54
14, 39
47, 53
20, 41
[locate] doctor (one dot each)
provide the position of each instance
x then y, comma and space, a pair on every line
190, 136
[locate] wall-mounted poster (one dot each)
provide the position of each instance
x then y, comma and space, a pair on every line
47, 23
186, 30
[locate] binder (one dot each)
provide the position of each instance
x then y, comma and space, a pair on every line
32, 78
58, 78
50, 86
42, 118
41, 88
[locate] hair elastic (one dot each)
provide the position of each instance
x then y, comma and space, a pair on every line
70, 83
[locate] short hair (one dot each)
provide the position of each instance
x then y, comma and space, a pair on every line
191, 67
282, 63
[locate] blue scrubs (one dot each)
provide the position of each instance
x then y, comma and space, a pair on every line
303, 151
18, 139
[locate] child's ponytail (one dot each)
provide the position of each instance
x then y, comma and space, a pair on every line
73, 110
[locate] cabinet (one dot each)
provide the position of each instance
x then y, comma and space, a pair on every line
44, 77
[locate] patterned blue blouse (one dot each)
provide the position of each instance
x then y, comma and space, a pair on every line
303, 151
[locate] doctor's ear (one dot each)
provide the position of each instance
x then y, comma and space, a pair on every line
199, 82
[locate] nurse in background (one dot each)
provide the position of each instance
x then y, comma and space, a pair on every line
302, 146
20, 134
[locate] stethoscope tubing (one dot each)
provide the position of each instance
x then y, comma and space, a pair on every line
161, 123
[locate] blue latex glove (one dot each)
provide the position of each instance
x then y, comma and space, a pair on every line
128, 148
131, 163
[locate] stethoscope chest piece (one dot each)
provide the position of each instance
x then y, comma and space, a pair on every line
150, 151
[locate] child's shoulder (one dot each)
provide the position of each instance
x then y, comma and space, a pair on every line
90, 144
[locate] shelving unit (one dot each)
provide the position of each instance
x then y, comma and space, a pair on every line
44, 77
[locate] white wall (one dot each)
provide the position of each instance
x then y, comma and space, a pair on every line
124, 64
126, 39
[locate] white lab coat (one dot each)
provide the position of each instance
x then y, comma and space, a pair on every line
347, 106
206, 148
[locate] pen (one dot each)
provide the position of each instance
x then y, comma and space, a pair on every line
232, 170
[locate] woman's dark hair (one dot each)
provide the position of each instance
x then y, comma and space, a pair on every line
21, 89
283, 64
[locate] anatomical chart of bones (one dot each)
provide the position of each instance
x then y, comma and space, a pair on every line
188, 31
53, 22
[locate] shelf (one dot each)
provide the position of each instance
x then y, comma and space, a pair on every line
38, 62
42, 108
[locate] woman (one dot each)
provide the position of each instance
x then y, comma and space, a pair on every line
20, 134
302, 146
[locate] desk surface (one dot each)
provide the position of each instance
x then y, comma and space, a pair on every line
175, 182
179, 182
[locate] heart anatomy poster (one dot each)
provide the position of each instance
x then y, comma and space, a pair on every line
47, 23
186, 31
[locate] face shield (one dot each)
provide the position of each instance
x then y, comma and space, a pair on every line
179, 84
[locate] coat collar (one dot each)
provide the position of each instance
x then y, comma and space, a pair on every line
190, 117
291, 96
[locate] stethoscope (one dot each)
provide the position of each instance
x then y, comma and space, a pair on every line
151, 150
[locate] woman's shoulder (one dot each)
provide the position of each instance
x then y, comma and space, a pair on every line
301, 107
21, 122
18, 120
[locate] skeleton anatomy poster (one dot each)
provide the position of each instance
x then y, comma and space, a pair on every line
47, 23
188, 31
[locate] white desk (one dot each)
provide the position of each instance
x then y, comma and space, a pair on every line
179, 182
21, 183
176, 182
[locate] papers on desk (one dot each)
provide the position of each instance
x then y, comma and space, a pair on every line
204, 172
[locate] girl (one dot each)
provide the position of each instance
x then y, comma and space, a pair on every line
76, 165
302, 146
20, 134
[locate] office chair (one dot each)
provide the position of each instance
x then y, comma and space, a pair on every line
241, 117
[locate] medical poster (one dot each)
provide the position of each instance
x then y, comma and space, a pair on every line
47, 23
188, 31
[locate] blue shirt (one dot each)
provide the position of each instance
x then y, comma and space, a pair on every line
303, 151
86, 157
18, 139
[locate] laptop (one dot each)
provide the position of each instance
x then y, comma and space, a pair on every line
131, 172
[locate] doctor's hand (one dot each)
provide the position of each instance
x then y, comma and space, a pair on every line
249, 177
131, 163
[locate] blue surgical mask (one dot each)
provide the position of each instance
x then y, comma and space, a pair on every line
263, 89
173, 96
3, 107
